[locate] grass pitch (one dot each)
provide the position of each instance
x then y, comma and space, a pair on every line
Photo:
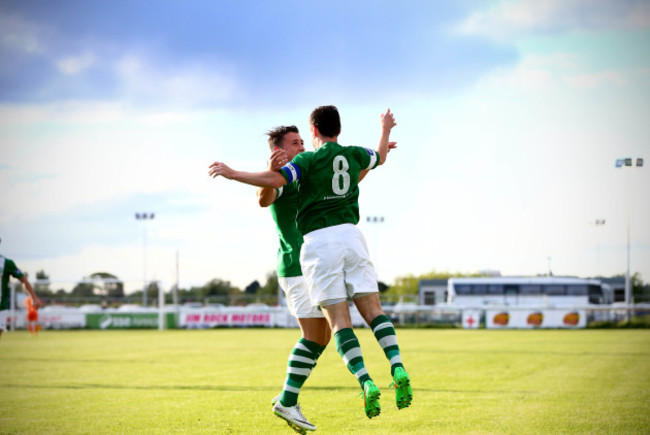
221, 381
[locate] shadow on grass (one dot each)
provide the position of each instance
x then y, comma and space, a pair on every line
240, 388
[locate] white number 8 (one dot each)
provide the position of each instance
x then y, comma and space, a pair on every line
340, 167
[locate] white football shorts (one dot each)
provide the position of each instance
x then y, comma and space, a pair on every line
336, 264
3, 320
298, 301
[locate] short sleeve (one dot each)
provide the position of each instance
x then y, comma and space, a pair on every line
370, 158
293, 170
290, 172
13, 269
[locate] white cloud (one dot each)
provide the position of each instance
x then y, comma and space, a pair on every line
76, 64
535, 72
20, 35
141, 74
592, 80
191, 84
109, 151
518, 18
77, 112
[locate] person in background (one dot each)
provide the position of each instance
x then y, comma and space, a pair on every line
32, 316
8, 269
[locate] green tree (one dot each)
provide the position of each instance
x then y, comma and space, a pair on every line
99, 284
217, 287
83, 289
107, 284
271, 285
410, 284
42, 284
641, 292
404, 285
152, 293
252, 288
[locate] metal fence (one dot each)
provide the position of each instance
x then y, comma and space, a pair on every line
412, 315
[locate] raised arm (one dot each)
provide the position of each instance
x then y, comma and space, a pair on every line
387, 123
266, 178
363, 173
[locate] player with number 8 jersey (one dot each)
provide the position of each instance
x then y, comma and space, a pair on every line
334, 257
330, 195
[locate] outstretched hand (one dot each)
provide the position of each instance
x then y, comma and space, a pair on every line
388, 120
218, 168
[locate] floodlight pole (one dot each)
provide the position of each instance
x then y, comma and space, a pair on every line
144, 217
627, 163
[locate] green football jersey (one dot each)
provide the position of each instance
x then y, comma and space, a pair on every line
284, 210
7, 268
328, 184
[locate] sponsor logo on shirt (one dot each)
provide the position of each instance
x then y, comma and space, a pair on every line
325, 198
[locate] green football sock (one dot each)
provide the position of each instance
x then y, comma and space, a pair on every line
348, 347
384, 332
301, 362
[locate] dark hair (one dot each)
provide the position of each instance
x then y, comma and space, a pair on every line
277, 134
327, 120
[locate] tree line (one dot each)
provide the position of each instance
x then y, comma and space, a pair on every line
105, 287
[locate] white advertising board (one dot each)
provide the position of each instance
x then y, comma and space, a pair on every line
194, 319
507, 318
471, 319
53, 319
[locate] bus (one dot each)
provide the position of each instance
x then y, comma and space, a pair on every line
528, 291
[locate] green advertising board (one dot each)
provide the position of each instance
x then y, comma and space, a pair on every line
128, 321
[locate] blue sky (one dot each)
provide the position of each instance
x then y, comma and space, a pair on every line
510, 117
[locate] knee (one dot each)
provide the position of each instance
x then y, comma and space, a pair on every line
370, 312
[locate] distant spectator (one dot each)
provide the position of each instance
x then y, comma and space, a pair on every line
32, 316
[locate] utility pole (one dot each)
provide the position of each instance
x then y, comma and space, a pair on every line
144, 217
627, 163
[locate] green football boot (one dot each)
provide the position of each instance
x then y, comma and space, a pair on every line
403, 390
371, 399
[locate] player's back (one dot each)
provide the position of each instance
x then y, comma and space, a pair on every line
329, 191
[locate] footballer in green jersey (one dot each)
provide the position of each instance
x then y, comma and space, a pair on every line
8, 269
329, 196
283, 210
334, 257
285, 142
